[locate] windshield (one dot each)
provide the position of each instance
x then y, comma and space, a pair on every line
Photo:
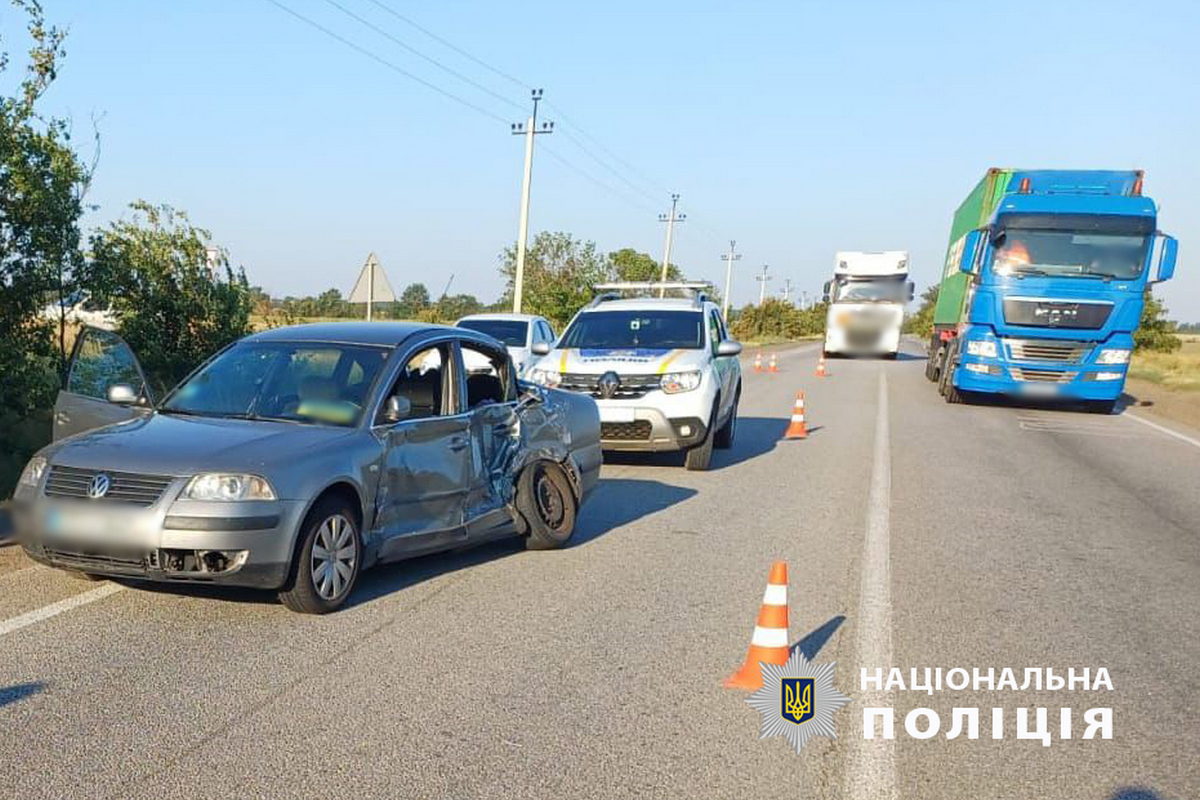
872, 292
1070, 253
325, 383
628, 329
512, 332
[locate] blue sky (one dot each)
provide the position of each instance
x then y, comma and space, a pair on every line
796, 128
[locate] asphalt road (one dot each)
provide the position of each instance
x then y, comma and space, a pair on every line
917, 534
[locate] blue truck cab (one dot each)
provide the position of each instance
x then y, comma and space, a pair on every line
1055, 289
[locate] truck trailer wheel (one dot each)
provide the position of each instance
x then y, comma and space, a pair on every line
946, 377
547, 502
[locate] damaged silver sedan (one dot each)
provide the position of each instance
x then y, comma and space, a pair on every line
298, 457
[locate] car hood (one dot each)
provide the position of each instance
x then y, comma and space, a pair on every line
624, 361
162, 444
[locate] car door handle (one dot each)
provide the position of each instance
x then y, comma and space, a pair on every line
458, 443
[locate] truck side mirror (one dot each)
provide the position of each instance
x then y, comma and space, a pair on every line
1168, 250
971, 244
912, 290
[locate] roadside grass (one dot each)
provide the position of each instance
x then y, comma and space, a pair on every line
1179, 370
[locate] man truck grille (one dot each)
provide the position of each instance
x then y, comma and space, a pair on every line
631, 387
638, 430
1042, 375
123, 487
1043, 350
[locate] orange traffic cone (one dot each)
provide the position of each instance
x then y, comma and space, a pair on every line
770, 641
774, 367
758, 361
821, 373
797, 429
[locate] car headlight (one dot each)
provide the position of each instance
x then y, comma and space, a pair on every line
1114, 356
676, 382
224, 486
982, 347
545, 377
32, 474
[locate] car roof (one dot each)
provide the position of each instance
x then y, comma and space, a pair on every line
500, 315
646, 303
387, 334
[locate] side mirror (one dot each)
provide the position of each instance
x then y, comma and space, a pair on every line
825, 298
122, 394
397, 408
971, 244
729, 347
532, 396
1168, 250
912, 290
540, 349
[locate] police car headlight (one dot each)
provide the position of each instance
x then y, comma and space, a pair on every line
222, 486
32, 474
1117, 356
546, 377
676, 382
983, 347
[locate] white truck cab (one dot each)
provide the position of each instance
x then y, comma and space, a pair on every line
663, 370
866, 303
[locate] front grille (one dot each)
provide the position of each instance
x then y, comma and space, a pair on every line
638, 430
124, 487
630, 387
1043, 350
1042, 375
1056, 313
94, 559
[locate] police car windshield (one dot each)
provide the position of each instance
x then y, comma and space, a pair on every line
595, 330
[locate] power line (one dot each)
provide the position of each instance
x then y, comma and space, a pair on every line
381, 60
419, 54
495, 70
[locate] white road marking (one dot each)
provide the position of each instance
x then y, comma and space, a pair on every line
1161, 429
54, 609
872, 763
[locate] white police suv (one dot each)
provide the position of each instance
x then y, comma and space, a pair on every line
663, 370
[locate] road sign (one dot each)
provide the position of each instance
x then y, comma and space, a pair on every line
372, 285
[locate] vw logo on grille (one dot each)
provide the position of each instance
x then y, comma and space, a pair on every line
99, 486
608, 384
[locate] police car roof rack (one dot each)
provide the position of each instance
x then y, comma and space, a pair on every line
698, 290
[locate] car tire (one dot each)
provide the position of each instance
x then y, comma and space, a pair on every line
946, 378
328, 561
547, 501
725, 436
932, 369
698, 458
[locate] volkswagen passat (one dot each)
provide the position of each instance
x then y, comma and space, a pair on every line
297, 457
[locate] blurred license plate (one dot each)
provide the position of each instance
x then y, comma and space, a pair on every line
616, 414
1039, 389
89, 525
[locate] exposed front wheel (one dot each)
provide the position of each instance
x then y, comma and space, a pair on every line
700, 456
547, 502
327, 565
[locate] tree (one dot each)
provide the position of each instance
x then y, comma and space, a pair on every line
921, 323
776, 319
153, 270
452, 307
41, 185
413, 300
559, 274
630, 265
1155, 332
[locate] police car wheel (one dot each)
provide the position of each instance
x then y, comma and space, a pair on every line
728, 432
700, 456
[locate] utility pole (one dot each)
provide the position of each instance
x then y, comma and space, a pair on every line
528, 129
786, 289
670, 219
762, 284
728, 258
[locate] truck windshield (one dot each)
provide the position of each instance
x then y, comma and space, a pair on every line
1070, 253
871, 292
628, 329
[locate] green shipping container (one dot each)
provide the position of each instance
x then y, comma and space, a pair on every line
973, 213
